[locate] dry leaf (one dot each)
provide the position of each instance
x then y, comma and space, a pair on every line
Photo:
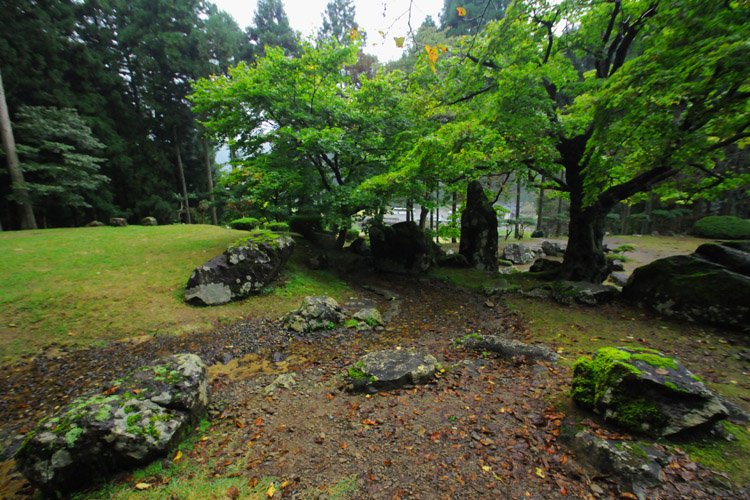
177, 457
233, 492
540, 472
271, 491
142, 486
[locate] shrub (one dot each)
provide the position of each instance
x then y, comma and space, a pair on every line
723, 227
306, 225
245, 224
277, 226
352, 234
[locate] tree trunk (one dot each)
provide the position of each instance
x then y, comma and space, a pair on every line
453, 213
341, 238
423, 217
16, 175
559, 213
584, 258
183, 185
625, 215
518, 208
540, 207
210, 181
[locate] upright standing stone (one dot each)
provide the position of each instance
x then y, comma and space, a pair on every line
479, 230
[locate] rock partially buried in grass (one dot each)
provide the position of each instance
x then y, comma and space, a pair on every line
643, 391
242, 270
392, 369
141, 417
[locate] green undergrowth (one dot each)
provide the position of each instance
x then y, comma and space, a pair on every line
729, 454
82, 287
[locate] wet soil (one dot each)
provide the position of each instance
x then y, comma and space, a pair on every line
486, 428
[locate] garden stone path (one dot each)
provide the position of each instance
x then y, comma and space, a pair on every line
487, 428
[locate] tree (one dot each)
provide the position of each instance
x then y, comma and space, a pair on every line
305, 135
18, 184
271, 28
339, 23
57, 149
472, 16
668, 92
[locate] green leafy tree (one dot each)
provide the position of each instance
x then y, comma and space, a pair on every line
57, 151
667, 94
271, 28
305, 131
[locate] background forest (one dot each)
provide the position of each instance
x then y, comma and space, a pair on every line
594, 111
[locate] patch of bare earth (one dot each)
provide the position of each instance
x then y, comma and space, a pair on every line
486, 428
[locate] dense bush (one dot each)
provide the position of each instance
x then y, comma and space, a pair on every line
277, 226
723, 227
352, 234
245, 224
306, 225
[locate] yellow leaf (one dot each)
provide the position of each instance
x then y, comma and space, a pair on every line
461, 11
354, 34
271, 491
442, 47
177, 457
486, 468
142, 486
399, 41
540, 472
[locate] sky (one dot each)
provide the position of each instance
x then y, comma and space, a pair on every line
389, 16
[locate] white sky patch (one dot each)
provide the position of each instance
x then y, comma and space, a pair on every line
389, 16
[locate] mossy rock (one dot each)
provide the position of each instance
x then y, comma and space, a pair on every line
643, 391
692, 289
141, 417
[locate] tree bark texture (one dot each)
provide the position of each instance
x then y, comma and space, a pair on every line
181, 171
16, 175
210, 182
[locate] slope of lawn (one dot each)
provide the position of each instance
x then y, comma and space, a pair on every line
87, 286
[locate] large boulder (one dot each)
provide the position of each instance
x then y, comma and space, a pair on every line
141, 417
402, 248
643, 391
479, 229
242, 270
518, 254
712, 285
149, 221
315, 313
392, 369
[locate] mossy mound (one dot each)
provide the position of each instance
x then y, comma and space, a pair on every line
724, 227
643, 391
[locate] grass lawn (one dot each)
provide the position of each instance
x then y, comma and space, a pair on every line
88, 286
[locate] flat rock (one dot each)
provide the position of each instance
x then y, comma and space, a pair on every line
509, 348
315, 313
392, 369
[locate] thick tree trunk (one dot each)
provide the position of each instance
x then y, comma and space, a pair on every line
16, 175
181, 171
584, 257
341, 238
210, 182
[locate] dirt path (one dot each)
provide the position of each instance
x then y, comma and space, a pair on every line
487, 428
